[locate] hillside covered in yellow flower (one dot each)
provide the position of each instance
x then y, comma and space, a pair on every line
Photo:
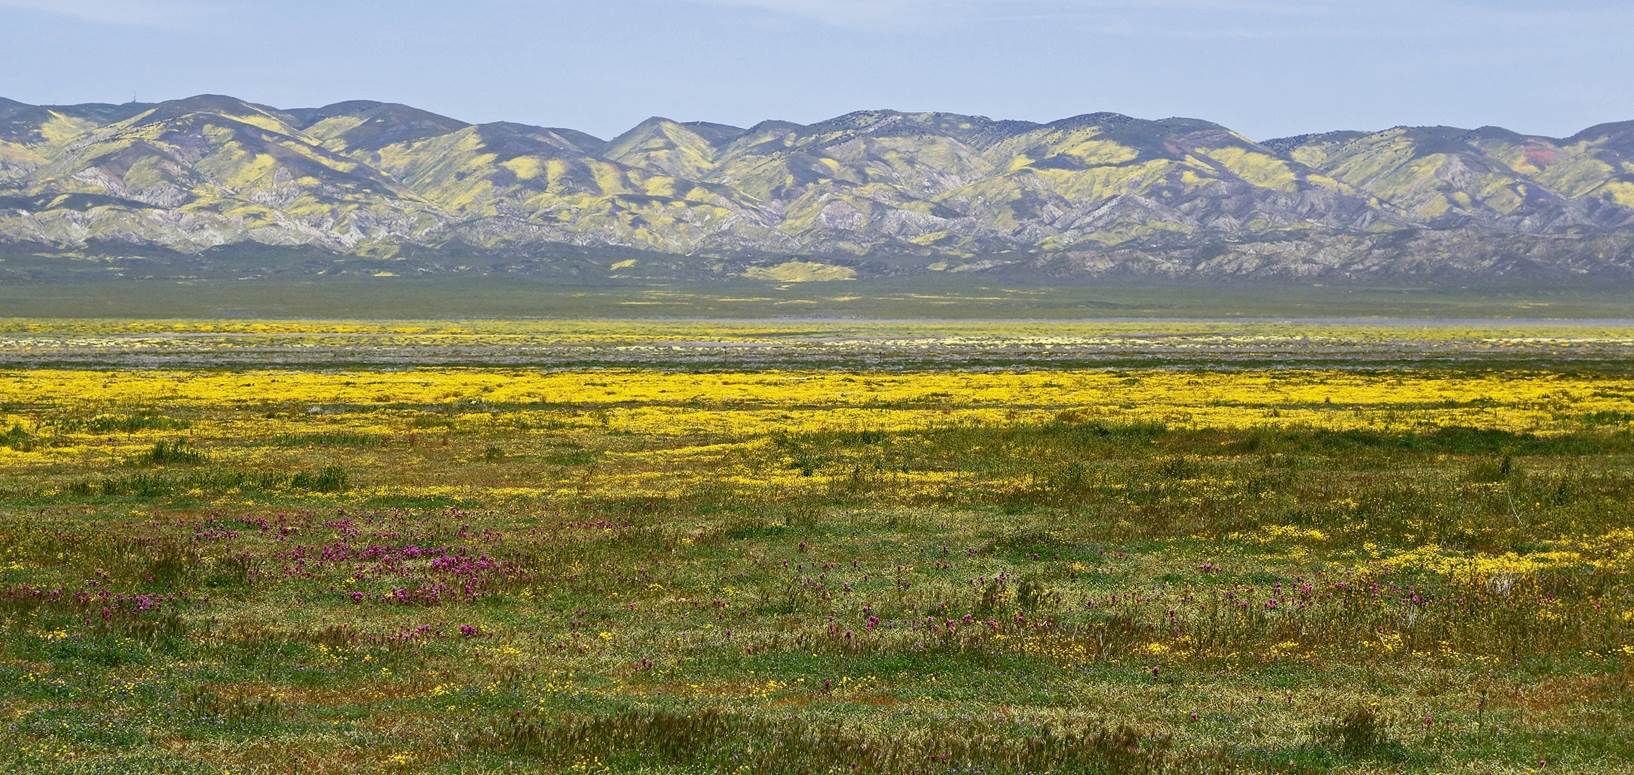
213, 185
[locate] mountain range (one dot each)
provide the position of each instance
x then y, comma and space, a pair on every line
368, 187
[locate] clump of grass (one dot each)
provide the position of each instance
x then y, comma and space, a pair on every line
326, 479
1361, 734
1178, 467
325, 439
17, 438
164, 452
219, 706
1491, 470
121, 423
1031, 595
1069, 484
570, 457
329, 479
716, 739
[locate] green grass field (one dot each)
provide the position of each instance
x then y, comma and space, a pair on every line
815, 546
399, 298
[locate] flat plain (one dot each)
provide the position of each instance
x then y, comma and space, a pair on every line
785, 545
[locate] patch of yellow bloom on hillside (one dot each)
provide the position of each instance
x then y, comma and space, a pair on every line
801, 272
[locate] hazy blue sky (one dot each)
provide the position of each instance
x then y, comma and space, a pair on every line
1264, 67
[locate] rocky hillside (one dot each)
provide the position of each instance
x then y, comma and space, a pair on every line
369, 186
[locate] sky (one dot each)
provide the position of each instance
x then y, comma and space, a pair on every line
1263, 67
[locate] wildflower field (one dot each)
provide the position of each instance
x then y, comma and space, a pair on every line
1136, 546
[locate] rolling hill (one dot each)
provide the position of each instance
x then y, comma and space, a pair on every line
213, 184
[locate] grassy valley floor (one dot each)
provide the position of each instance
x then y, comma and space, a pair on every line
808, 546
